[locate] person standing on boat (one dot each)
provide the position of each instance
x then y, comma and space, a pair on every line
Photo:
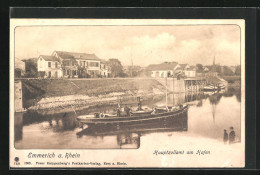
225, 139
118, 112
127, 110
232, 135
139, 104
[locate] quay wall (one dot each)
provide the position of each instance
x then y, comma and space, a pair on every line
18, 100
173, 85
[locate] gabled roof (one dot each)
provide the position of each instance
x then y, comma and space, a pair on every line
162, 66
49, 58
182, 66
193, 68
78, 56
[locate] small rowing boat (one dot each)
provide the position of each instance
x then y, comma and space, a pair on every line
212, 87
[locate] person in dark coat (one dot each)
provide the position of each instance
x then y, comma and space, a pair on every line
139, 104
118, 112
232, 135
127, 110
225, 139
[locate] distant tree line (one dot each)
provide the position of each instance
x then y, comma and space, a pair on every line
221, 70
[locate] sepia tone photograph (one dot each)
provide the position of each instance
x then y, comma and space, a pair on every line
127, 93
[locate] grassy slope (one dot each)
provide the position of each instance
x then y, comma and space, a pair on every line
36, 89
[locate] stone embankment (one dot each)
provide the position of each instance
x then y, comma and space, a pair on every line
71, 94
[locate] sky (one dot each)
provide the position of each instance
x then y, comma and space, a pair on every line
143, 45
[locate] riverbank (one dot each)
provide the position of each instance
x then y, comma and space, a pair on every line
234, 82
66, 95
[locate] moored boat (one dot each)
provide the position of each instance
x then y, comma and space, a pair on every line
136, 117
212, 87
177, 123
129, 116
221, 86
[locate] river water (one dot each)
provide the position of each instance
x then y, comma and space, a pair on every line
208, 115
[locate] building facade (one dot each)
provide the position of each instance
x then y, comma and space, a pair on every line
190, 72
105, 70
186, 70
49, 67
166, 69
78, 64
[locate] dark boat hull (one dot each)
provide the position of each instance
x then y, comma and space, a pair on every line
176, 123
134, 119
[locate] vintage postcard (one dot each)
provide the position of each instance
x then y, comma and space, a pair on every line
127, 93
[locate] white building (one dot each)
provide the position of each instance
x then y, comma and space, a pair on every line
50, 66
187, 70
72, 62
105, 70
166, 69
190, 72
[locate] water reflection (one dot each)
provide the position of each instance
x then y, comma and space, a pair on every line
128, 136
34, 130
56, 122
214, 100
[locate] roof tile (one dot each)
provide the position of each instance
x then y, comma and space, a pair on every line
78, 56
162, 66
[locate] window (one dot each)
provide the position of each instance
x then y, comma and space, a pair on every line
93, 64
82, 63
49, 64
66, 63
56, 64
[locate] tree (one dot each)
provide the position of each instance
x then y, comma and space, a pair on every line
238, 70
30, 68
227, 71
218, 69
116, 67
199, 68
17, 72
